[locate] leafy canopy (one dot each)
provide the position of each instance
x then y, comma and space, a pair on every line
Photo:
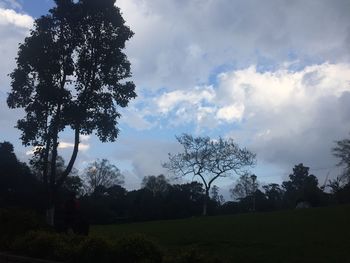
70, 70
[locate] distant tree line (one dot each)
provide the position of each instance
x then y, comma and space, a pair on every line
104, 200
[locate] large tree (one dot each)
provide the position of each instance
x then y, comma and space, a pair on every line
156, 184
209, 160
302, 186
245, 186
102, 174
71, 72
342, 151
274, 195
17, 183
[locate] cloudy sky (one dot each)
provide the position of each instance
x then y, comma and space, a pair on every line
274, 75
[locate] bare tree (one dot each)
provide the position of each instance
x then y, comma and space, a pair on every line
208, 160
102, 173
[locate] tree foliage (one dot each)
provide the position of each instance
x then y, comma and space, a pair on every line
342, 151
302, 186
18, 186
101, 173
71, 72
245, 186
156, 184
216, 196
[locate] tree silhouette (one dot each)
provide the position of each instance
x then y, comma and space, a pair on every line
274, 195
342, 151
302, 186
101, 173
245, 186
208, 160
156, 184
70, 73
216, 196
17, 183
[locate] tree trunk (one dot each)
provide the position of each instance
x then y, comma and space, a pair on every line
205, 202
50, 213
46, 163
69, 167
49, 218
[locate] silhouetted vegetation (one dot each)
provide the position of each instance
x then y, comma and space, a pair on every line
208, 160
70, 73
101, 174
107, 202
18, 185
103, 200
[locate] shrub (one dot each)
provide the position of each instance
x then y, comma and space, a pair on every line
67, 247
93, 249
48, 245
74, 248
191, 256
36, 244
137, 249
14, 222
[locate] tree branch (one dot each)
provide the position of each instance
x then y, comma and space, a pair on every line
72, 159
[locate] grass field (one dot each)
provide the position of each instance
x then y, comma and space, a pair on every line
310, 235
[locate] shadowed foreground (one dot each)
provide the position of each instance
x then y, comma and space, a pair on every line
310, 235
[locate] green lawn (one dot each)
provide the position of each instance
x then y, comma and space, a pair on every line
310, 235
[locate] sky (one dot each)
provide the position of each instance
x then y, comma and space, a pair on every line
273, 75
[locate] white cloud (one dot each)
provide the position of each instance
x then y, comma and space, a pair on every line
230, 113
291, 116
168, 101
145, 156
179, 44
65, 145
272, 92
136, 119
84, 137
13, 4
247, 93
285, 116
14, 27
203, 113
11, 17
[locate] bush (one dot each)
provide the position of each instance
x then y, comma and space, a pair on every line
68, 247
15, 222
36, 244
73, 248
191, 256
137, 249
93, 249
47, 245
